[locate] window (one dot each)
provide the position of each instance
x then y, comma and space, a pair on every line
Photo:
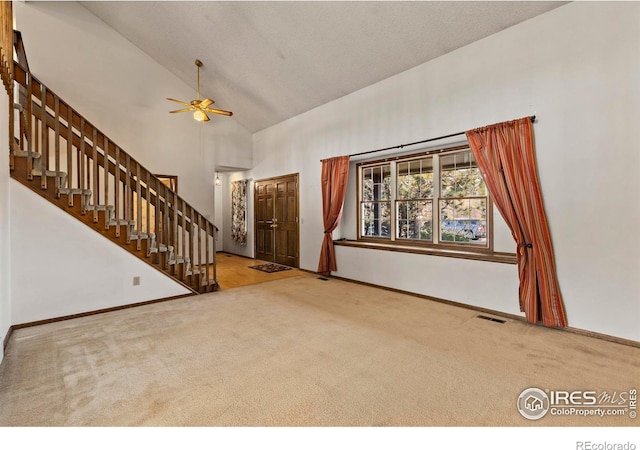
436, 198
376, 201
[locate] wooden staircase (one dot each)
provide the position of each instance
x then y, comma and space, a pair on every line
58, 154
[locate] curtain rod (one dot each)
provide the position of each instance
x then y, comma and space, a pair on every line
533, 118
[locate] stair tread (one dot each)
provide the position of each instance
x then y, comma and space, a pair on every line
75, 191
101, 207
48, 173
143, 235
121, 222
193, 270
25, 154
162, 248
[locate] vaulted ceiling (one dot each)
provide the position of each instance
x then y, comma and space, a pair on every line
269, 61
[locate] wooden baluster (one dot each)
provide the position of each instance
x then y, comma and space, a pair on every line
213, 256
30, 127
12, 131
96, 176
148, 205
22, 132
161, 200
45, 137
192, 235
37, 123
12, 136
174, 231
70, 153
106, 182
152, 198
82, 182
116, 195
126, 197
139, 208
56, 146
206, 249
199, 247
166, 229
157, 216
183, 250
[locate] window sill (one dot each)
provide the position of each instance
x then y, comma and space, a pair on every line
497, 257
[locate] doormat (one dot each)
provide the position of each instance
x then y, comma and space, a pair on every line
270, 268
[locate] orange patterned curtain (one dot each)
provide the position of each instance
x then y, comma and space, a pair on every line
506, 156
334, 187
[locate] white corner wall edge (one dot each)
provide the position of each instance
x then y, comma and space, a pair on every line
60, 266
5, 266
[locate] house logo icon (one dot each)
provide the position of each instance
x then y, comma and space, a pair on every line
533, 403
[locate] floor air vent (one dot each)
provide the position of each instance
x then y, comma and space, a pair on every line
492, 319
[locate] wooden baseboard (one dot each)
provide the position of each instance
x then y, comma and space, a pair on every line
98, 311
579, 331
573, 330
5, 342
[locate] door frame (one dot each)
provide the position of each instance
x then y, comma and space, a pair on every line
255, 222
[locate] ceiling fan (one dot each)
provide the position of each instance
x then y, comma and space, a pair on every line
199, 107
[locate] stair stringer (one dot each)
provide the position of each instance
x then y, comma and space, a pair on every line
61, 267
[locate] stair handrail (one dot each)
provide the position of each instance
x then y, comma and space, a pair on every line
6, 43
6, 63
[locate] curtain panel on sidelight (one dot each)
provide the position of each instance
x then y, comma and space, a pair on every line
506, 156
239, 212
335, 172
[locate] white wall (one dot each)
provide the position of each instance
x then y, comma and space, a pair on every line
60, 266
5, 236
122, 91
577, 69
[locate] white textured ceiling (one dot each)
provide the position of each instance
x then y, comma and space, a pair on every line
269, 61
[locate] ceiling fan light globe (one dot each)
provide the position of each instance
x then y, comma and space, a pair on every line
200, 116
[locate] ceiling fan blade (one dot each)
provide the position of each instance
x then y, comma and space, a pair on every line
178, 101
206, 102
181, 110
219, 111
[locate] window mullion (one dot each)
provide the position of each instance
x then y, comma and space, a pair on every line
360, 200
435, 205
393, 201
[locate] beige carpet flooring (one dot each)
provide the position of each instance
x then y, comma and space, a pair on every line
299, 352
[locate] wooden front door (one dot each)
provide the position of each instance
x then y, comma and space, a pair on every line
276, 220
